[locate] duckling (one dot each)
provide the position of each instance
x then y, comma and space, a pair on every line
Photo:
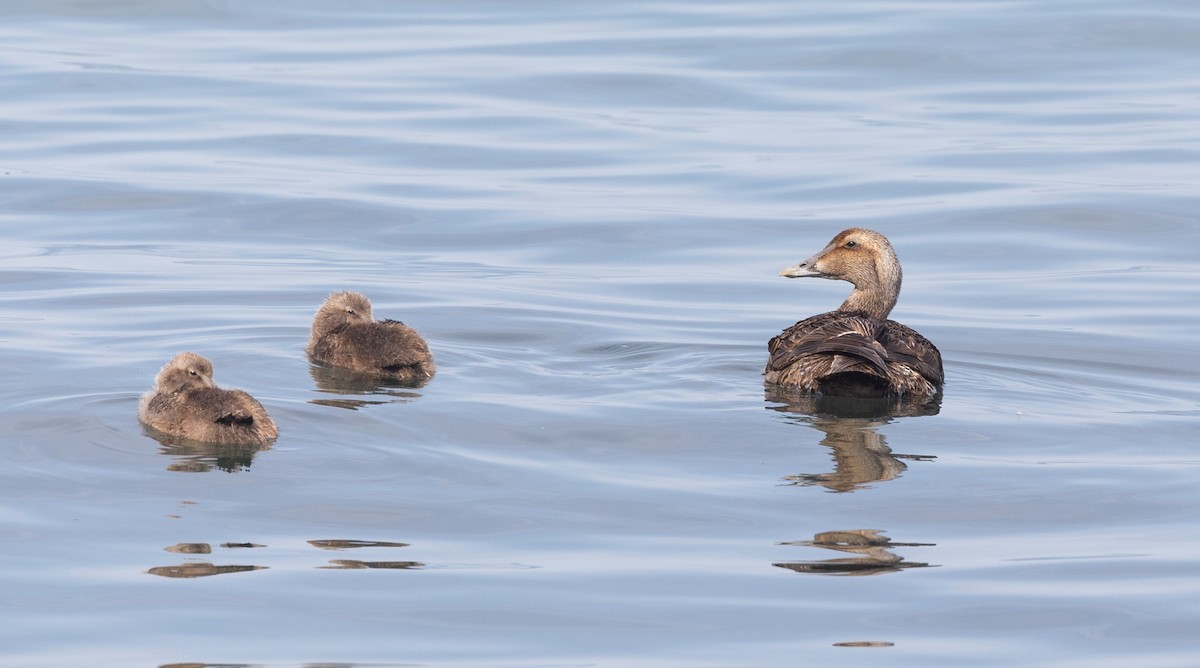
345, 335
186, 402
855, 351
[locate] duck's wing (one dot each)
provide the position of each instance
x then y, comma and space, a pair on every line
213, 415
233, 408
850, 341
235, 418
400, 347
905, 345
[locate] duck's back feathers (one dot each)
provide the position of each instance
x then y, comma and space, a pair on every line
850, 354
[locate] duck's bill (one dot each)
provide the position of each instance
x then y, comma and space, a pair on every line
802, 270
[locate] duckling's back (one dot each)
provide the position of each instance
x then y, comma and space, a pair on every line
210, 414
386, 348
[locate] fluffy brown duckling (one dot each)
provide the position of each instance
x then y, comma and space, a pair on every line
345, 335
186, 402
855, 351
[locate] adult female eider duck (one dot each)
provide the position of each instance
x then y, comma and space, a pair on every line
855, 351
186, 402
345, 335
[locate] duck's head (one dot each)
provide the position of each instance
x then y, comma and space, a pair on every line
185, 371
862, 257
340, 309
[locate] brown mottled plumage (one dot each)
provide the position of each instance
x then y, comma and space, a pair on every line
345, 335
186, 402
855, 351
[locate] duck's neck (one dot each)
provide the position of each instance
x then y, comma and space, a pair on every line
876, 293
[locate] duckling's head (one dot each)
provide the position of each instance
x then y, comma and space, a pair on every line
341, 309
862, 257
185, 372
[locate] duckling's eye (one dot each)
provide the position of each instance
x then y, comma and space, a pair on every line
851, 244
192, 372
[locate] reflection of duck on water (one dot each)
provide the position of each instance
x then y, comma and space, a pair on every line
196, 457
344, 564
196, 569
848, 407
374, 390
873, 548
860, 453
855, 351
341, 564
199, 570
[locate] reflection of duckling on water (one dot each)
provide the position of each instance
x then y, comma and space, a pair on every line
345, 335
186, 402
855, 351
873, 547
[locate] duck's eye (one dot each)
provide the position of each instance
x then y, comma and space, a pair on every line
851, 244
192, 372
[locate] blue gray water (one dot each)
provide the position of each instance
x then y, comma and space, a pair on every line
583, 207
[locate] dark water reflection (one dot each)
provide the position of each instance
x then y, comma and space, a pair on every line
190, 548
873, 552
340, 544
199, 569
860, 453
199, 457
336, 380
849, 407
345, 564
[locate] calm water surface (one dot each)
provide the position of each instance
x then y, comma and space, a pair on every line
583, 207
